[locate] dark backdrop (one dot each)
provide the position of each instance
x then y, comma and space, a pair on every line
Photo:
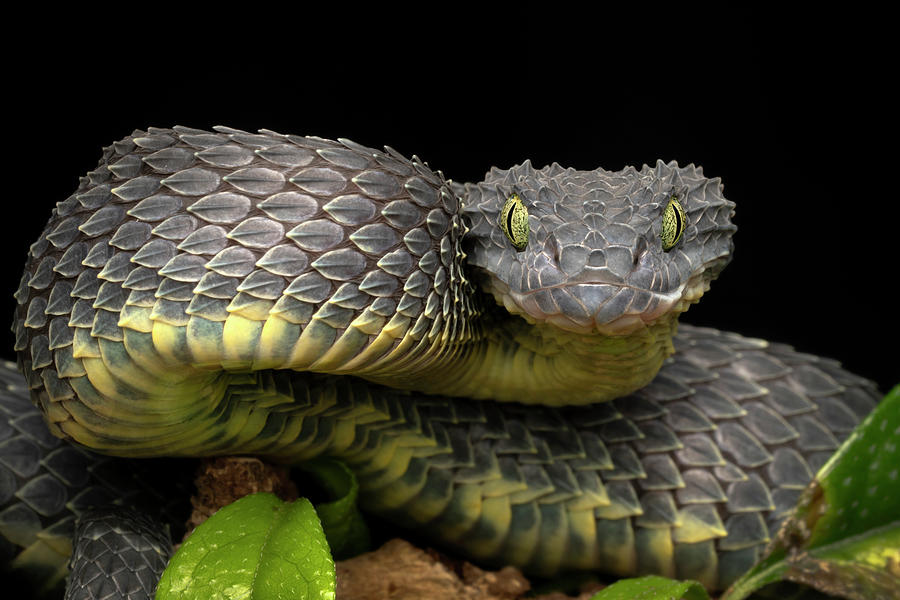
792, 132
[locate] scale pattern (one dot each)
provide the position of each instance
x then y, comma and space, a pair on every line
688, 477
173, 300
120, 554
186, 251
591, 226
46, 484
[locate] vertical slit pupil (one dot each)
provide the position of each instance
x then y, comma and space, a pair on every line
679, 224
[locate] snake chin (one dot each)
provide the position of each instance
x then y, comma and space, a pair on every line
626, 321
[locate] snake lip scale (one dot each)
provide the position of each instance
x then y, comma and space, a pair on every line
499, 362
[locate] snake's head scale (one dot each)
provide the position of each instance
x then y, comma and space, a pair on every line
598, 251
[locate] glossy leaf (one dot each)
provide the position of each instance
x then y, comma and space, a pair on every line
258, 548
652, 587
844, 536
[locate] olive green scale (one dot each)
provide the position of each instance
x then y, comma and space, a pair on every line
234, 293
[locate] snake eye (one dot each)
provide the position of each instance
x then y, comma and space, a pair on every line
514, 222
673, 220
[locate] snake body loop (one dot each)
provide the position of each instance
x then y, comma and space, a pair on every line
224, 292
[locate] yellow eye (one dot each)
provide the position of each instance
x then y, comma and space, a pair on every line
673, 223
514, 222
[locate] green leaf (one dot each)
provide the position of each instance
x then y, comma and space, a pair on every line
346, 531
844, 536
258, 548
652, 587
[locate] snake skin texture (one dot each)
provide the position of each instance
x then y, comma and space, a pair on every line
689, 476
210, 293
46, 485
119, 554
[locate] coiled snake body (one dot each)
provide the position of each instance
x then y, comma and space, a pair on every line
493, 360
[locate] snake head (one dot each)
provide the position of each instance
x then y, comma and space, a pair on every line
607, 252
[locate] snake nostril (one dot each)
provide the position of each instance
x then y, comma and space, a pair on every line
640, 252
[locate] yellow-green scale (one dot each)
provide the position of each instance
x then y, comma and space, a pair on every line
521, 362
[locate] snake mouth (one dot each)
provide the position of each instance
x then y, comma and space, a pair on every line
600, 308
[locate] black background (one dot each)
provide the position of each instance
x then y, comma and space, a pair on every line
794, 128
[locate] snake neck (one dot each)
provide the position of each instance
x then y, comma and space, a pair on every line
516, 361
